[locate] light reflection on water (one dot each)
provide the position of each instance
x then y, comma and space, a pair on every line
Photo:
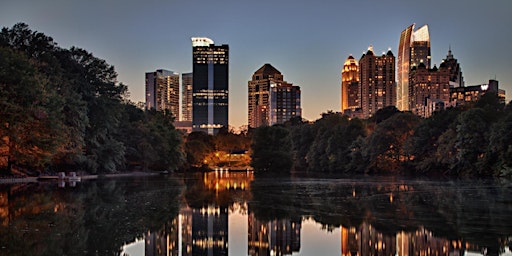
224, 213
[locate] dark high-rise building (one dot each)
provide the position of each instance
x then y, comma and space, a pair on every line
259, 92
350, 88
377, 79
413, 49
186, 100
210, 85
284, 102
162, 91
456, 79
430, 89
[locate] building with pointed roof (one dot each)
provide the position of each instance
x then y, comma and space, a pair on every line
350, 89
271, 99
259, 92
377, 78
456, 78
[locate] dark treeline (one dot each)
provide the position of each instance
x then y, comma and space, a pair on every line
467, 140
63, 109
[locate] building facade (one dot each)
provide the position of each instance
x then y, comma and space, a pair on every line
210, 85
377, 79
456, 78
284, 102
162, 91
186, 100
430, 89
413, 49
468, 94
259, 92
350, 89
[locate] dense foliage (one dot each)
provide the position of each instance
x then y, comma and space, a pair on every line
63, 109
468, 140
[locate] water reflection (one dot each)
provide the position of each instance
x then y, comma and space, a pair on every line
221, 213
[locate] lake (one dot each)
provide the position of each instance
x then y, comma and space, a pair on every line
239, 213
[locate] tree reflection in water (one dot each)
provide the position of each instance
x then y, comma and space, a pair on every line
189, 216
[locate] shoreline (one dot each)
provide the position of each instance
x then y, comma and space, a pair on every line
82, 177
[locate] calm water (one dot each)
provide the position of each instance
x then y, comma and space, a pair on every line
239, 214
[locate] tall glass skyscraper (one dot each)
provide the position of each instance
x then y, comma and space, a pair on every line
210, 85
413, 49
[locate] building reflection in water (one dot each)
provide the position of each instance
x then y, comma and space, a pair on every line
204, 231
277, 237
365, 240
199, 231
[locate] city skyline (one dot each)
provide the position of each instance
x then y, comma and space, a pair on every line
309, 42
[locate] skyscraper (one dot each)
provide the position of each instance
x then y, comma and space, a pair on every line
162, 91
413, 49
377, 78
430, 89
210, 85
456, 79
186, 100
284, 102
350, 89
259, 92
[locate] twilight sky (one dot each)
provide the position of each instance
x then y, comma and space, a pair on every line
307, 41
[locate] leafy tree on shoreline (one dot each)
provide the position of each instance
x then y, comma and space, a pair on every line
65, 108
31, 130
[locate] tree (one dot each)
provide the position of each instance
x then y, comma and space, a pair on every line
271, 149
471, 139
423, 145
31, 129
197, 146
385, 148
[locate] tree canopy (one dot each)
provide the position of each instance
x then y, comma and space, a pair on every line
63, 109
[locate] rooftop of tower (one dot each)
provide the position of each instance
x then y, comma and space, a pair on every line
350, 61
421, 35
267, 69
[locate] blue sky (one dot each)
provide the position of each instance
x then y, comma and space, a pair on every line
308, 41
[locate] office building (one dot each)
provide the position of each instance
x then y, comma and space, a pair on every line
210, 85
186, 100
413, 49
259, 92
468, 94
162, 91
284, 102
377, 79
350, 89
430, 89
